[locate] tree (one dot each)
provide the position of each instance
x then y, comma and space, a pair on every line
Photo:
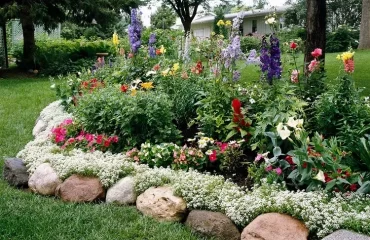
259, 4
316, 28
163, 18
365, 26
49, 13
220, 15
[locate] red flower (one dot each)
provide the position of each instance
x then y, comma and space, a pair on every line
107, 143
156, 67
289, 159
304, 165
349, 66
293, 45
223, 147
114, 139
236, 104
158, 52
353, 187
213, 156
99, 139
124, 88
130, 55
327, 178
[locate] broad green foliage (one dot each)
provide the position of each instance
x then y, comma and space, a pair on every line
135, 119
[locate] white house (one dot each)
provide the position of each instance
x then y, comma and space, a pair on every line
253, 22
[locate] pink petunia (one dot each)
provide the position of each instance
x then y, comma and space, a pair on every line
67, 122
268, 168
314, 64
278, 171
213, 156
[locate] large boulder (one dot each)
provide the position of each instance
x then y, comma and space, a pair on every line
212, 224
346, 235
81, 189
161, 204
123, 192
15, 172
44, 180
275, 226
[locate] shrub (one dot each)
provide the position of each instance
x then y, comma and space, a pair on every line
342, 39
54, 57
248, 43
147, 116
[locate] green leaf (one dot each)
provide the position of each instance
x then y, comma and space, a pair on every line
231, 134
243, 132
277, 151
365, 188
331, 184
294, 174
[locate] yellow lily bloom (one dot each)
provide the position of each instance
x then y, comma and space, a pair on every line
220, 22
176, 67
162, 49
228, 23
133, 92
147, 85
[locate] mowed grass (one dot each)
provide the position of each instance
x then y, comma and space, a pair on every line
332, 66
24, 215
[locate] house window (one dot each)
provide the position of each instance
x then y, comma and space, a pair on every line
254, 26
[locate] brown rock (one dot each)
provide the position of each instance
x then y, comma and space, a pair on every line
80, 189
212, 224
161, 204
275, 226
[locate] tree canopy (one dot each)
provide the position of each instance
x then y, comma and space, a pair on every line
163, 18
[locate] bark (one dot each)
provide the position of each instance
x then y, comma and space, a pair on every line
29, 45
316, 28
365, 26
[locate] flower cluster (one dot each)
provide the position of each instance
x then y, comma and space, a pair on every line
69, 135
271, 58
152, 50
253, 59
226, 23
91, 85
315, 64
198, 69
232, 52
348, 62
134, 30
115, 39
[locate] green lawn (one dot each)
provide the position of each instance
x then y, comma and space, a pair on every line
28, 216
332, 65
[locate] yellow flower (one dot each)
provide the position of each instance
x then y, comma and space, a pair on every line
220, 23
213, 33
133, 92
346, 56
176, 67
162, 49
228, 23
147, 85
165, 72
115, 39
339, 57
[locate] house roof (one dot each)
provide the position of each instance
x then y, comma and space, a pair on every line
246, 14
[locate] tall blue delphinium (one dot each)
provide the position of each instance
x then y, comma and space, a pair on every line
235, 29
152, 40
275, 59
232, 52
265, 57
134, 31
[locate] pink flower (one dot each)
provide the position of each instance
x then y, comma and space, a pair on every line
99, 139
213, 156
316, 53
349, 66
67, 122
59, 138
71, 140
114, 139
223, 147
268, 168
107, 143
89, 137
259, 157
314, 64
278, 171
80, 137
294, 76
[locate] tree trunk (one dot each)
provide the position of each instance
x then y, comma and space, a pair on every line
29, 45
316, 28
187, 26
365, 26
187, 37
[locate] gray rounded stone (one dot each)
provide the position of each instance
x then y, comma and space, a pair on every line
346, 235
15, 172
123, 192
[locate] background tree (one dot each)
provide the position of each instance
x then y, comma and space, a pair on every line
316, 28
365, 26
49, 13
163, 18
220, 15
260, 4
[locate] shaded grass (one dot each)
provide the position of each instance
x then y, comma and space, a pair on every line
28, 216
332, 66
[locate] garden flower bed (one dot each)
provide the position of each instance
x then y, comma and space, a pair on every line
187, 128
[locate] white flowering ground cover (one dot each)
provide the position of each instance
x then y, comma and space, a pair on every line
321, 212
